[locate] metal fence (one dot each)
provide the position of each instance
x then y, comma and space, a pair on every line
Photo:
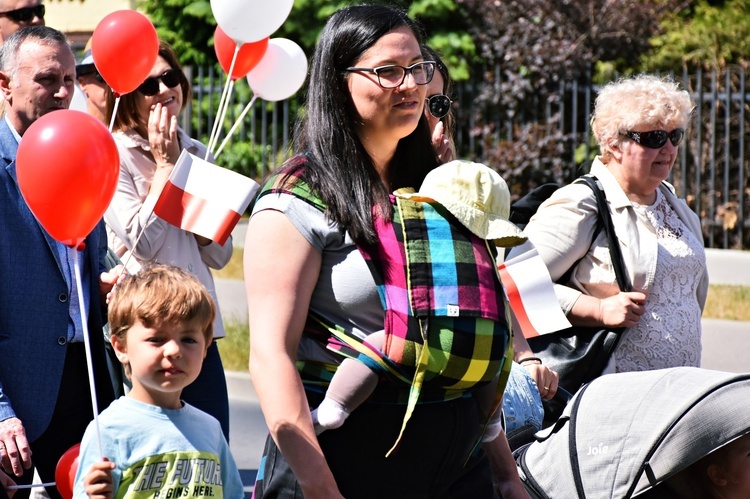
710, 173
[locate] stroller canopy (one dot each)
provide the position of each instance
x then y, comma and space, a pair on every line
624, 433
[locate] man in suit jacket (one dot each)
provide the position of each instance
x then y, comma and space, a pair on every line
45, 402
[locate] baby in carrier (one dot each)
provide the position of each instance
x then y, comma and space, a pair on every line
467, 338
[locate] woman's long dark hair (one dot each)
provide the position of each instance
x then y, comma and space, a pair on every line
338, 168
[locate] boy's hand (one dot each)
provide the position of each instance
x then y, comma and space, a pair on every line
5, 483
98, 482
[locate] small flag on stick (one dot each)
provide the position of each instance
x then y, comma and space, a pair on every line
204, 199
528, 287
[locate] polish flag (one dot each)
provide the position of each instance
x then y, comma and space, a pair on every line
203, 198
529, 290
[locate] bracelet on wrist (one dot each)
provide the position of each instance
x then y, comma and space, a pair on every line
529, 359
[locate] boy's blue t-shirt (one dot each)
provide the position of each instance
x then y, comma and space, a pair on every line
161, 453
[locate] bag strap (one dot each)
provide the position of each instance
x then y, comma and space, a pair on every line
606, 218
575, 464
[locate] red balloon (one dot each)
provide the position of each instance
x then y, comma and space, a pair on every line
65, 472
125, 47
68, 167
248, 56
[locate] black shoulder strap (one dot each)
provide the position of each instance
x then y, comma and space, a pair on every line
606, 218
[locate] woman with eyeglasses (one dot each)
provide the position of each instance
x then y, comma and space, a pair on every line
639, 123
150, 142
308, 282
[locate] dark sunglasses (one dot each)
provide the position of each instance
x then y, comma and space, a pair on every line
95, 75
150, 86
655, 139
439, 105
25, 14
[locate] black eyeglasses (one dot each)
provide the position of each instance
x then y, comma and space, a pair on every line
25, 14
439, 105
394, 76
655, 139
150, 86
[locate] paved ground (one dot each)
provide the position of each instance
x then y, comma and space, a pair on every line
725, 348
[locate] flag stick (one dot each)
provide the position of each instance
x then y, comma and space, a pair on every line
234, 127
222, 103
221, 119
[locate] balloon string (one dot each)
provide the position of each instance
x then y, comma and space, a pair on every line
222, 103
87, 344
114, 114
31, 485
234, 127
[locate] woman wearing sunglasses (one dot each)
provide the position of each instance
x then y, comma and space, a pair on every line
437, 108
639, 123
522, 400
149, 142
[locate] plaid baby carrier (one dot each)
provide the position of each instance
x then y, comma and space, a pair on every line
446, 328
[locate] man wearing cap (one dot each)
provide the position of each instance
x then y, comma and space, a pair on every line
97, 92
15, 14
45, 402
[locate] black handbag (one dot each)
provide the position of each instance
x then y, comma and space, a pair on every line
579, 354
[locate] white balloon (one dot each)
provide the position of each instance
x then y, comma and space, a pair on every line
250, 20
281, 71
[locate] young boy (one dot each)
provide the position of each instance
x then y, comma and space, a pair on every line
153, 444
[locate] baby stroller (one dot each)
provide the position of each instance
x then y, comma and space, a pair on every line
623, 434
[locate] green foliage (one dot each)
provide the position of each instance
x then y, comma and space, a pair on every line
235, 347
244, 157
707, 35
188, 25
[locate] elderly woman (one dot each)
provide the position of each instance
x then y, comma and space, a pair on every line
150, 142
639, 123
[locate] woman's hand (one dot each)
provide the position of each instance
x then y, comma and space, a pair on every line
165, 147
622, 310
162, 137
442, 144
545, 378
505, 477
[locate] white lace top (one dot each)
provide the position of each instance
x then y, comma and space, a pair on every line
669, 334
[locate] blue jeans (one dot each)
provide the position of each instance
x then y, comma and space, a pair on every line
522, 404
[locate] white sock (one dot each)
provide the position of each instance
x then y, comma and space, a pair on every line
329, 415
